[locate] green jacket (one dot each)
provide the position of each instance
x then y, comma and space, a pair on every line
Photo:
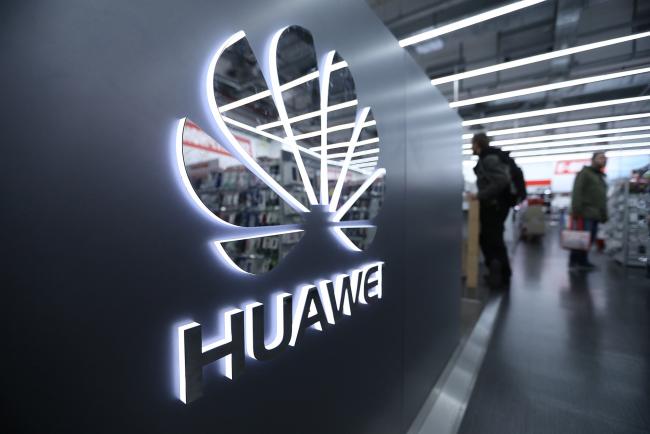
589, 196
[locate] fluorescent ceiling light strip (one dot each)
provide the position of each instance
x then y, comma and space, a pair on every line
361, 160
357, 194
592, 148
578, 156
548, 87
537, 58
300, 80
567, 124
356, 154
311, 76
546, 145
564, 157
346, 144
546, 158
466, 22
563, 136
244, 101
627, 153
253, 130
286, 86
549, 111
310, 115
364, 160
366, 165
341, 127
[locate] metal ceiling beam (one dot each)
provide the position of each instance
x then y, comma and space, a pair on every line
567, 17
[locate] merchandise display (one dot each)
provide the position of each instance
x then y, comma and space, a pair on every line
238, 197
628, 237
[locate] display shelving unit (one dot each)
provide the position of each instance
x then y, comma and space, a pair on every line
628, 239
238, 197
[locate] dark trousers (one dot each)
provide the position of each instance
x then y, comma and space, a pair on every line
579, 257
493, 218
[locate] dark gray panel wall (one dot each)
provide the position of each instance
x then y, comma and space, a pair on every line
105, 254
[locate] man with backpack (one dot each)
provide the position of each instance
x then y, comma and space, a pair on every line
500, 185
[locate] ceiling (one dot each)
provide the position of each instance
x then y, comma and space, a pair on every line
546, 27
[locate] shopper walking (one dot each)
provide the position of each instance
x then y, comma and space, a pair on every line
588, 205
494, 194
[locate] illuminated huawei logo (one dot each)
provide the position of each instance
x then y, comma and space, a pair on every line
333, 150
294, 151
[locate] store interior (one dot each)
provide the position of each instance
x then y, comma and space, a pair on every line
550, 83
149, 222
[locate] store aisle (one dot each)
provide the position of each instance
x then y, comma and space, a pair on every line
569, 354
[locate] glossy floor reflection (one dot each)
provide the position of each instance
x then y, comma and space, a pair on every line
570, 352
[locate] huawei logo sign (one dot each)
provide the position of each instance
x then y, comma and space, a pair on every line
330, 143
294, 152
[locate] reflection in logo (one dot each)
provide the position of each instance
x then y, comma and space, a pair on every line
314, 151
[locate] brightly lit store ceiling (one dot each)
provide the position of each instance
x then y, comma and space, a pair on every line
548, 78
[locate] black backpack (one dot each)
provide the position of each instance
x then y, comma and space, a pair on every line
517, 182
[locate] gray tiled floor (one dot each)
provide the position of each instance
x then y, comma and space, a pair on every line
570, 352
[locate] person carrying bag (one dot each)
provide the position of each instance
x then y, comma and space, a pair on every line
588, 209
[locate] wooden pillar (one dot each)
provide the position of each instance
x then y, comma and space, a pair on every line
473, 251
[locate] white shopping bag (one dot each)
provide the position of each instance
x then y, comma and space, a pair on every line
575, 239
572, 239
